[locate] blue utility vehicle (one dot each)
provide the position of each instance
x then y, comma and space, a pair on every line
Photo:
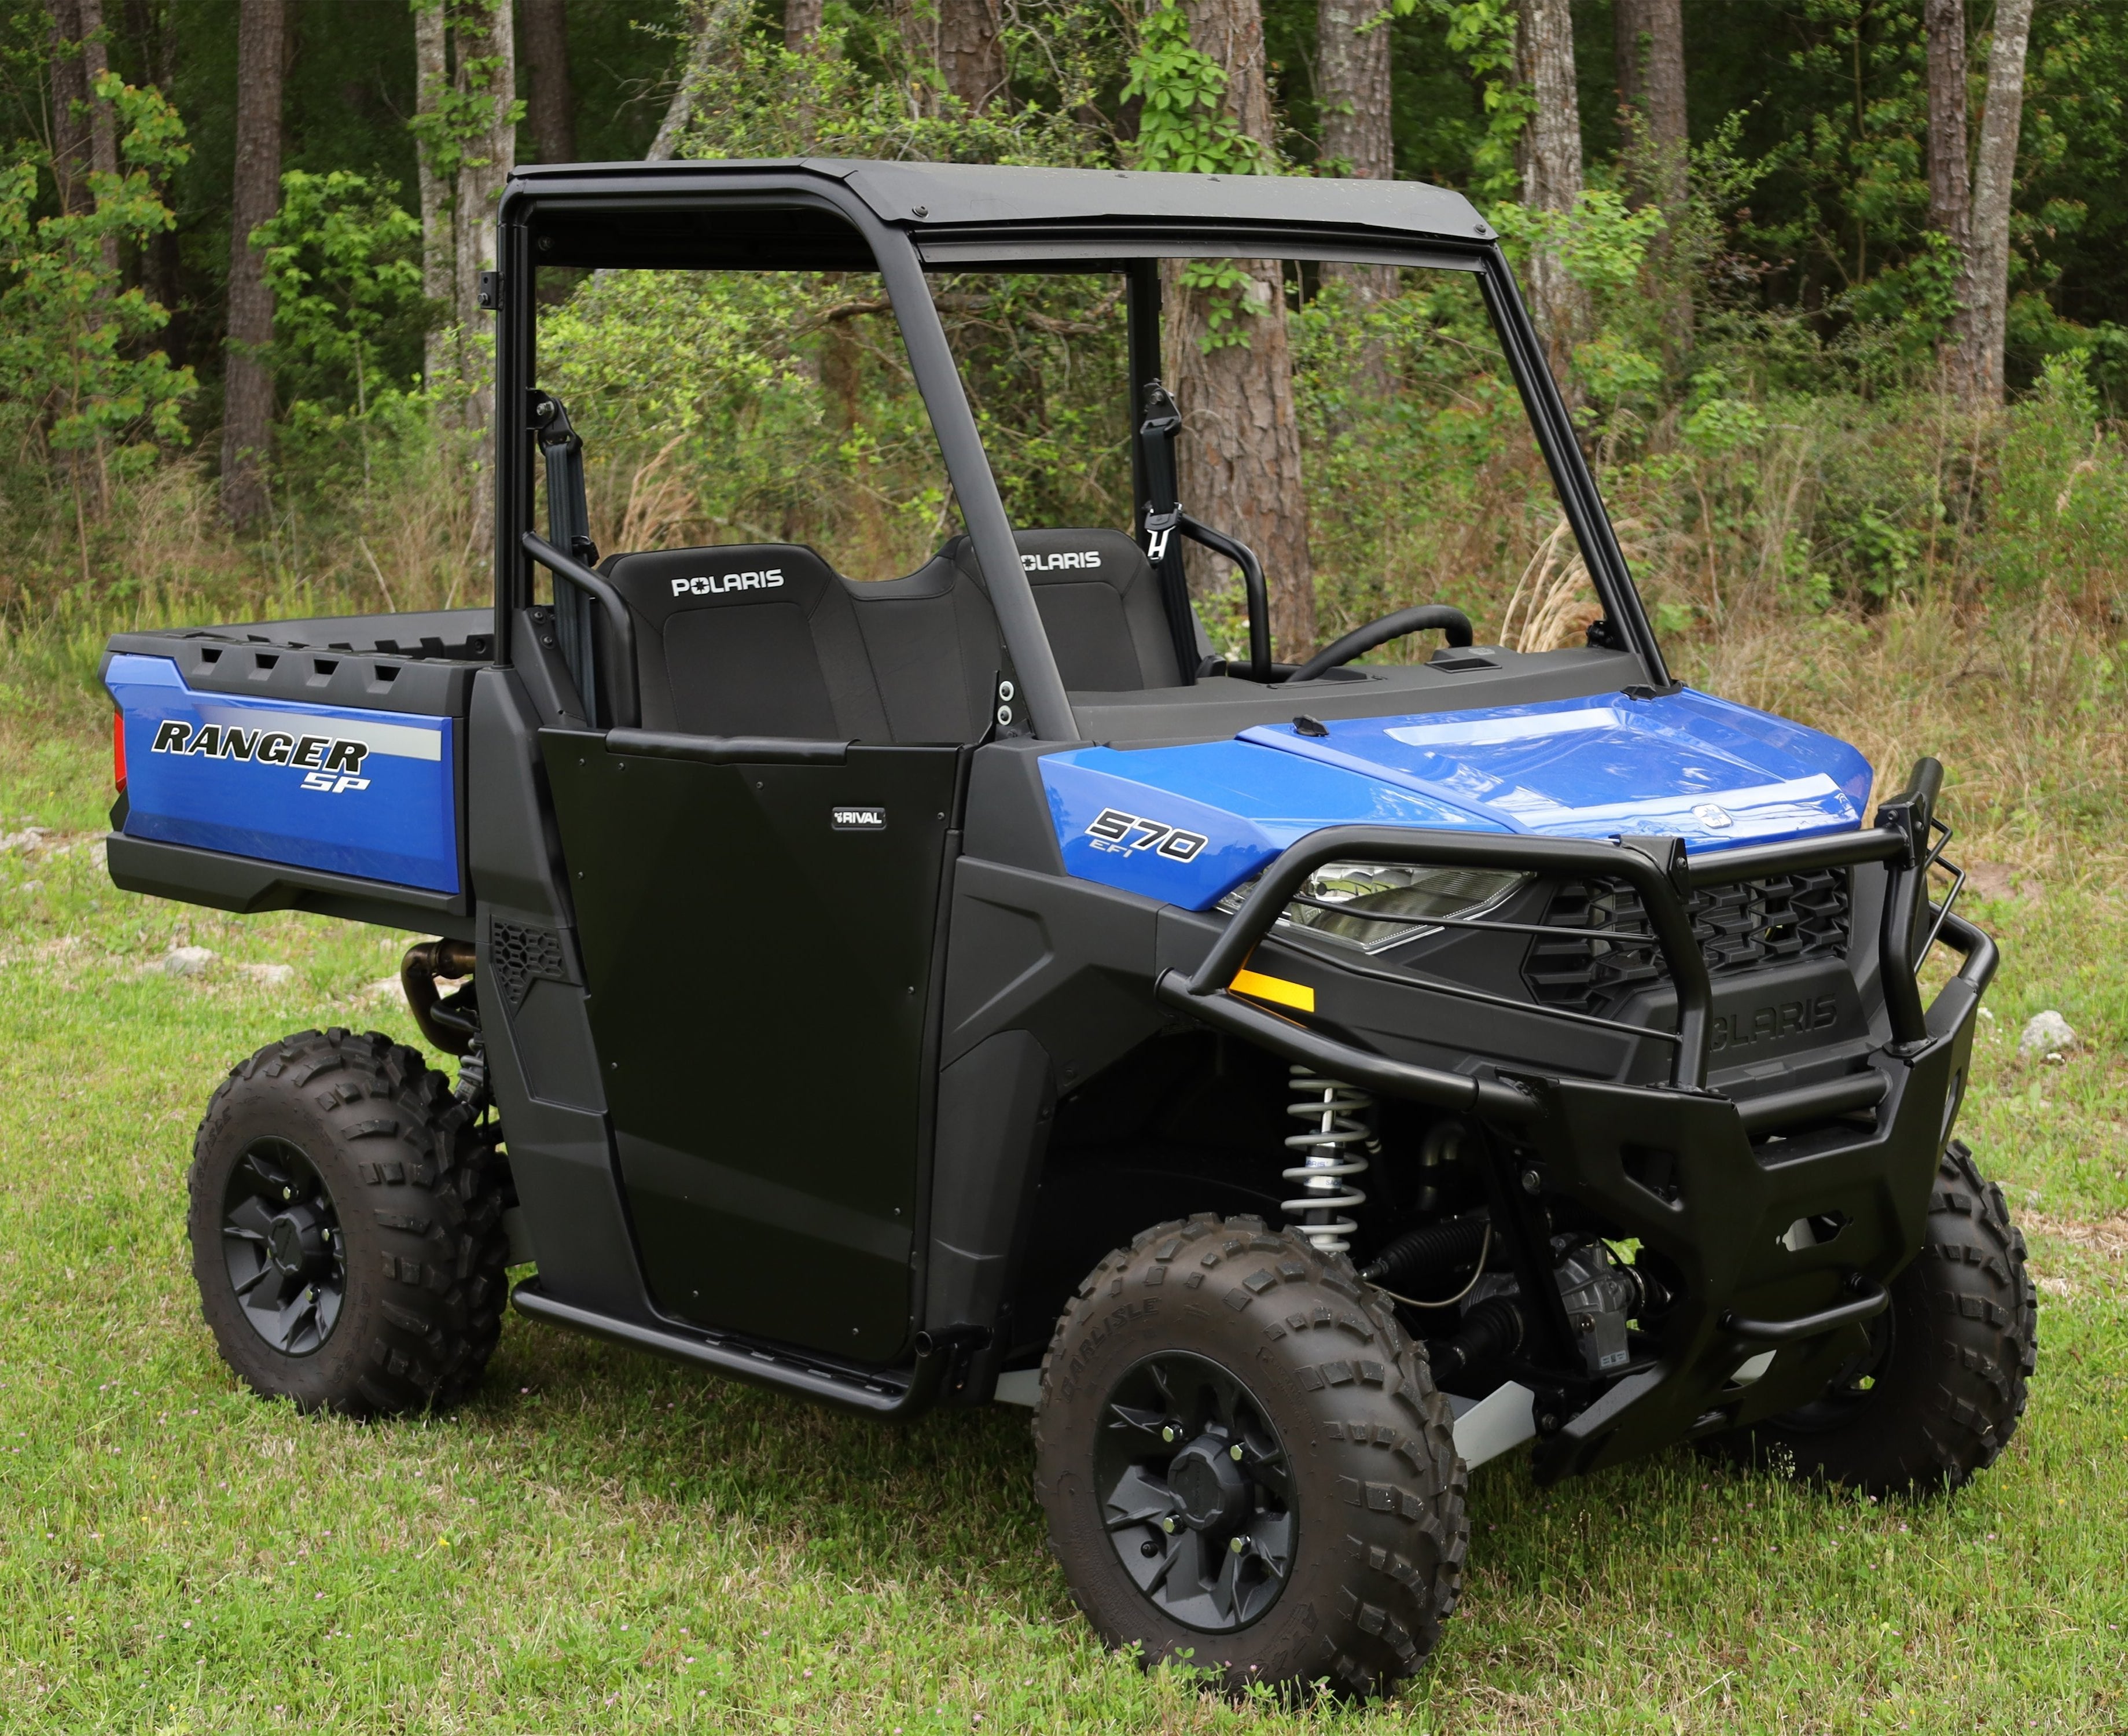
1297, 1081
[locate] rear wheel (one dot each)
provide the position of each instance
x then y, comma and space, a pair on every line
1939, 1393
346, 1227
1244, 1462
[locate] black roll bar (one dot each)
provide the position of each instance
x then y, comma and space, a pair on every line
619, 650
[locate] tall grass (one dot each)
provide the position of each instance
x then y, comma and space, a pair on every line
1910, 577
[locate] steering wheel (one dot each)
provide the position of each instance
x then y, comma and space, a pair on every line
1360, 640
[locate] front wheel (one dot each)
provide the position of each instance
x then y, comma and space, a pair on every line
1245, 1464
1938, 1393
346, 1227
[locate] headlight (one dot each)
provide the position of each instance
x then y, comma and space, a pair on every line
1359, 890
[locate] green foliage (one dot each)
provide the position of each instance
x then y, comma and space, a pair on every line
343, 257
73, 361
1184, 125
464, 109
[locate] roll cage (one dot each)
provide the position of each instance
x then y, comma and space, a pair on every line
907, 221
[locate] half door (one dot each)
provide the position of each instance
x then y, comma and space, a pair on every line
759, 940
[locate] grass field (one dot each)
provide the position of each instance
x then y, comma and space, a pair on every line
600, 1542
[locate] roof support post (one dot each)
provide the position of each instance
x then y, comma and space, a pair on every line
939, 379
1578, 493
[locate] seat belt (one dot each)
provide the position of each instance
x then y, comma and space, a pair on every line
1163, 514
569, 529
1165, 521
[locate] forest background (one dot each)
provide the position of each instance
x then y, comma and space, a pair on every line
1838, 290
1841, 303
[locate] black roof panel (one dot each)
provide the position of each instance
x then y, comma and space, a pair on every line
930, 196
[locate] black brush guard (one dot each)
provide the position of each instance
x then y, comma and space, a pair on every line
1673, 1165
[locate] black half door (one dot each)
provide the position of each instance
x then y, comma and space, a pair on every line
758, 939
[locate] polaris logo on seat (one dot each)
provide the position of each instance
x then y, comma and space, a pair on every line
706, 586
1070, 559
330, 763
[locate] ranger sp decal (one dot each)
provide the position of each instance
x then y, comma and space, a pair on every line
330, 763
1111, 829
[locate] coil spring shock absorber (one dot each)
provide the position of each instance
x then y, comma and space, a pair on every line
1333, 1151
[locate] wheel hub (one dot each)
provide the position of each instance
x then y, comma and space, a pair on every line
292, 1243
1209, 1483
1196, 1492
281, 1245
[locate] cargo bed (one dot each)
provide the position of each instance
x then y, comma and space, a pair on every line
314, 765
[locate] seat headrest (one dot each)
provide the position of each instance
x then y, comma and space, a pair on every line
1106, 555
662, 584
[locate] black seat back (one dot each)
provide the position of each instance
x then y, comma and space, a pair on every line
752, 638
1100, 606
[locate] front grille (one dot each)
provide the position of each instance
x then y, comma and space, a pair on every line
1785, 919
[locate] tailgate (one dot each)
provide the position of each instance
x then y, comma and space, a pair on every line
344, 764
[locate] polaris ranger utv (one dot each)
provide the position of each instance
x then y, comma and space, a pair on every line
1505, 1046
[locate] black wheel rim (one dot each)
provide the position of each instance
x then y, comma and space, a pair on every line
1852, 1388
281, 1242
1196, 1492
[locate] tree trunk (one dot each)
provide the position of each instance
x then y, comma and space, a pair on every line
150, 28
715, 22
961, 38
1352, 95
70, 145
483, 34
1651, 87
432, 79
466, 82
972, 51
1239, 455
1550, 154
550, 102
801, 24
1651, 91
1950, 187
1987, 287
247, 413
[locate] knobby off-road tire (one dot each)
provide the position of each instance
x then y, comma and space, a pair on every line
1215, 1350
1940, 1393
345, 1163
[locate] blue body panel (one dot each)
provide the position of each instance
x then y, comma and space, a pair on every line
372, 793
1715, 774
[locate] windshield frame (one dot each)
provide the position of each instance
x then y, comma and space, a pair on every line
907, 254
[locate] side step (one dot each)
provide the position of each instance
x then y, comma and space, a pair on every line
900, 1394
1485, 1427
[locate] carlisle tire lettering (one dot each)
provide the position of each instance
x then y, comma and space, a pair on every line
1113, 830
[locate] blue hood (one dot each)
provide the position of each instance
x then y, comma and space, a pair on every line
1185, 825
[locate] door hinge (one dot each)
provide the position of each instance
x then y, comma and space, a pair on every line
491, 290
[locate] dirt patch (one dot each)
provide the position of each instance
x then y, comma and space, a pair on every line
2107, 1237
1995, 880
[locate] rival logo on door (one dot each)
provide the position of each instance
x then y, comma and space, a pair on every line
857, 819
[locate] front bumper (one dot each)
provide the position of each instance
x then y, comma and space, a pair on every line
1675, 1166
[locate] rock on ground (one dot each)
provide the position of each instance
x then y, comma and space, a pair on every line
187, 961
270, 976
2045, 1033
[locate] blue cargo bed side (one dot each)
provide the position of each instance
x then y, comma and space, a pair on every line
360, 791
